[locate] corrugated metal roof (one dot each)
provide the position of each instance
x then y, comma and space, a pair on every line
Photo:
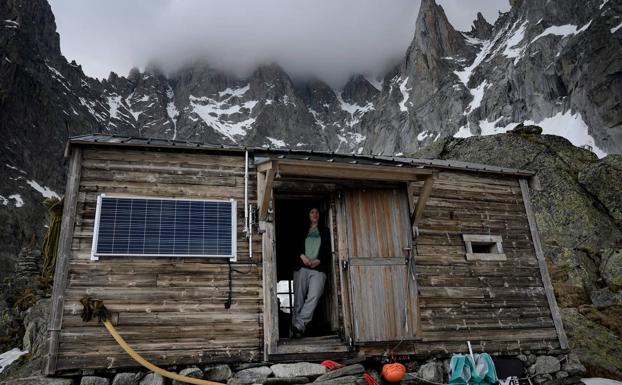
280, 153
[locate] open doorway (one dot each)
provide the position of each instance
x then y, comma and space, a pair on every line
291, 214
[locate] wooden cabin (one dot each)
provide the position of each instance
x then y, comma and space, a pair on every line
426, 255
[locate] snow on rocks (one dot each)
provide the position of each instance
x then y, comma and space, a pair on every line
565, 124
8, 357
600, 381
43, 190
276, 142
114, 102
356, 111
10, 24
405, 94
235, 92
562, 30
478, 96
19, 202
171, 110
217, 114
512, 49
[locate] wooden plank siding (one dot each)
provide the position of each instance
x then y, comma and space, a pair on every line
500, 306
171, 310
378, 236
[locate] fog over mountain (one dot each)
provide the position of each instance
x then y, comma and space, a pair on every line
330, 40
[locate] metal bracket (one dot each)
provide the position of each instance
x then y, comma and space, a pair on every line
344, 265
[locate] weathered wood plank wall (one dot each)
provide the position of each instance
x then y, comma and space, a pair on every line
498, 305
171, 310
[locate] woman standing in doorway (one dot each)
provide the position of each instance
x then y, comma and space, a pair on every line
310, 269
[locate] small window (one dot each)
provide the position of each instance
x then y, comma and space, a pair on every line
164, 227
483, 247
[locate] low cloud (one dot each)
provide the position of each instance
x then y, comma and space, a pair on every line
323, 38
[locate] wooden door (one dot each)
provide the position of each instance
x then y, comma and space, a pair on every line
382, 291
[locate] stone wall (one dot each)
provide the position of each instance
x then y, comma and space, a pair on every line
562, 369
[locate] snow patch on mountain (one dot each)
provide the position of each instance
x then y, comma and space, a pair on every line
19, 202
43, 190
171, 110
235, 92
565, 124
318, 121
572, 127
218, 115
405, 94
512, 50
276, 142
8, 357
113, 104
356, 111
478, 96
562, 30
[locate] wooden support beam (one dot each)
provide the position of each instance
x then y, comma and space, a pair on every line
61, 272
270, 309
319, 169
426, 190
544, 271
266, 195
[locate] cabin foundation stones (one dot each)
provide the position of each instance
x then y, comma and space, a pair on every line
561, 369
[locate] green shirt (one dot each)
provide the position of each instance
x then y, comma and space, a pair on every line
312, 243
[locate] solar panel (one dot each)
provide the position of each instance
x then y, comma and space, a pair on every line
155, 227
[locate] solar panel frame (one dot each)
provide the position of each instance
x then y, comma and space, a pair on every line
232, 216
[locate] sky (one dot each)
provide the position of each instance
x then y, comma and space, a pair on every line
330, 39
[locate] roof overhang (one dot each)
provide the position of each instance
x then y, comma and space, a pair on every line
323, 169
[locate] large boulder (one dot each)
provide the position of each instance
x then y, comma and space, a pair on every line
35, 323
218, 373
599, 179
597, 346
254, 373
299, 369
545, 365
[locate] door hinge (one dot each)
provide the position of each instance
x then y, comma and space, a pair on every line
344, 265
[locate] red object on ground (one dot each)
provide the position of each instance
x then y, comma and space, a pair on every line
369, 379
394, 372
331, 365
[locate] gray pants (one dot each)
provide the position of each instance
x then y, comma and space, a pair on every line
308, 288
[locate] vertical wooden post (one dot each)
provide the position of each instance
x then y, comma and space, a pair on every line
411, 206
270, 308
62, 262
544, 271
342, 252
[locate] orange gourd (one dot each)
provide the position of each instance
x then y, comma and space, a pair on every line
393, 372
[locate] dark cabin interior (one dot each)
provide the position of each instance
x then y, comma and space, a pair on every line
291, 218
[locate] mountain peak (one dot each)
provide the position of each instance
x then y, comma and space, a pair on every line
481, 28
435, 37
